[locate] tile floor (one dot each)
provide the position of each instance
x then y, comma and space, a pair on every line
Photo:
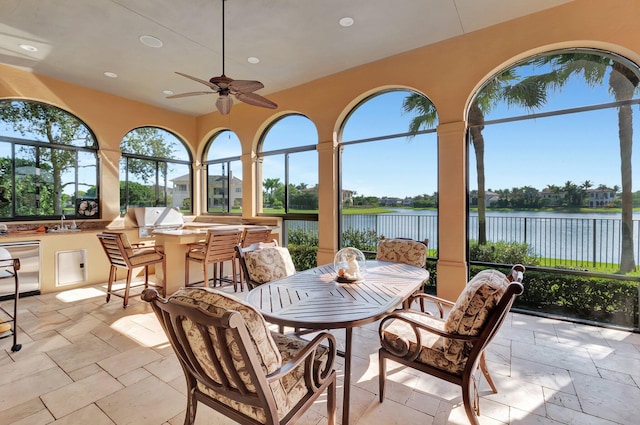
87, 362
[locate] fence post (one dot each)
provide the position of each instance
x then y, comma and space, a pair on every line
594, 242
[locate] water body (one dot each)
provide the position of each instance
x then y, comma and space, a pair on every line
591, 237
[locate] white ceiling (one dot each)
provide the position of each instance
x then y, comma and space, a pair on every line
296, 40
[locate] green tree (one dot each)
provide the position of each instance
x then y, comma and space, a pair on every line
149, 142
51, 125
623, 83
530, 94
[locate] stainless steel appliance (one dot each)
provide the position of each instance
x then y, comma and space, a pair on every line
150, 218
28, 252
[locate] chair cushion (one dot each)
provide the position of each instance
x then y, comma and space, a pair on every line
288, 390
269, 264
218, 303
402, 251
471, 310
400, 336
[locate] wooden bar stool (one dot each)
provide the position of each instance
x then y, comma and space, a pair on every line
122, 254
220, 246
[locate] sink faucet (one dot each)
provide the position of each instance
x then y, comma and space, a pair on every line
62, 217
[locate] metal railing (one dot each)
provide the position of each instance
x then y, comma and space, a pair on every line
555, 242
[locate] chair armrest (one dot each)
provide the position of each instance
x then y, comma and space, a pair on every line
416, 327
439, 302
314, 374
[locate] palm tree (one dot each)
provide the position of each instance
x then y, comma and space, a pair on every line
623, 83
527, 93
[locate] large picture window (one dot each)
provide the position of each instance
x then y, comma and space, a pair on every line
223, 186
155, 171
48, 163
553, 164
389, 171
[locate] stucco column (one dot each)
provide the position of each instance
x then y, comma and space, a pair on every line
452, 216
251, 183
110, 183
327, 201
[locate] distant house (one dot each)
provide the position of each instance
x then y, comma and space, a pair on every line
489, 197
551, 197
600, 197
390, 202
347, 197
216, 191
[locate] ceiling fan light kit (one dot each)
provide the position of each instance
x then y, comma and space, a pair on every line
225, 86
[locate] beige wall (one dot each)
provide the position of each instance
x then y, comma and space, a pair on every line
448, 73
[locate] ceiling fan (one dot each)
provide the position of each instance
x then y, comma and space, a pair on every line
243, 90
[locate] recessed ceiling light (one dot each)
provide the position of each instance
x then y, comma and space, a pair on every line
110, 74
253, 59
150, 41
346, 21
167, 92
28, 47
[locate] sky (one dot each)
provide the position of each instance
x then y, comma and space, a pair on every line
534, 152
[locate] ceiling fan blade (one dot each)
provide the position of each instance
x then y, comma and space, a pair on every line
256, 100
205, 82
245, 86
192, 93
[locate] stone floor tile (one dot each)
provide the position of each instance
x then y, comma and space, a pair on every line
165, 368
121, 363
90, 414
33, 386
571, 416
542, 374
133, 376
569, 358
29, 365
561, 399
393, 413
149, 401
79, 394
41, 417
82, 353
608, 400
22, 411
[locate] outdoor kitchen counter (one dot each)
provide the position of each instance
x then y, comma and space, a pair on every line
175, 246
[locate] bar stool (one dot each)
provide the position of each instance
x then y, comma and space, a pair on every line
122, 254
220, 246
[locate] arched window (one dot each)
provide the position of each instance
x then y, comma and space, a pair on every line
48, 163
389, 170
289, 160
223, 173
155, 170
552, 163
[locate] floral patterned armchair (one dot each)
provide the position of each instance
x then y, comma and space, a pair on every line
235, 365
452, 348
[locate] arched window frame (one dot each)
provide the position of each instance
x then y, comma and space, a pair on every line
428, 230
226, 164
81, 207
161, 196
286, 152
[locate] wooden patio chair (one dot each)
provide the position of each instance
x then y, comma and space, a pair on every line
123, 255
218, 248
453, 348
235, 365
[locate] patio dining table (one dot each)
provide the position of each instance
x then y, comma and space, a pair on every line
313, 299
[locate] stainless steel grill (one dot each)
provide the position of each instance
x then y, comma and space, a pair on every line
149, 219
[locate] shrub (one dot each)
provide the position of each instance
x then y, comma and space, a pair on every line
580, 297
502, 253
364, 240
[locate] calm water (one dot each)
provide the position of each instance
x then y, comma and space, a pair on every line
572, 236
